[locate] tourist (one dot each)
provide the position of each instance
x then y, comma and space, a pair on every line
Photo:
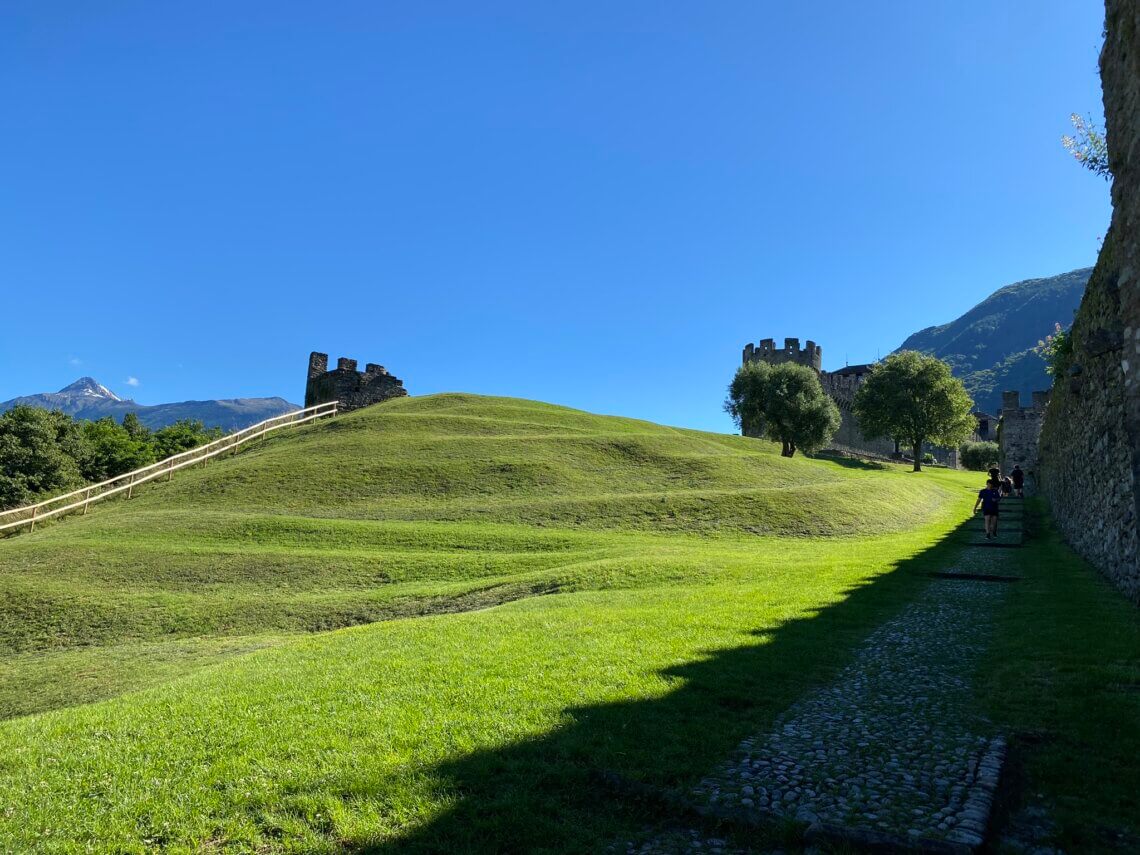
989, 499
1018, 481
1006, 486
995, 474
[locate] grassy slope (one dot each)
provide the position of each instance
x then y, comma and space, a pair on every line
704, 583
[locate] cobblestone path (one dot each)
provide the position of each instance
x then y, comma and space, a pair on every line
895, 745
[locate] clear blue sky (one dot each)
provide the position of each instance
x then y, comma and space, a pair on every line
594, 203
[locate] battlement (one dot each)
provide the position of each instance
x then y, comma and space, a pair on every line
1011, 404
353, 389
766, 351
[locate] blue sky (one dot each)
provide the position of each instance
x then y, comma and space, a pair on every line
594, 204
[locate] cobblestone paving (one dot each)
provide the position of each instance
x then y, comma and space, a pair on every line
894, 745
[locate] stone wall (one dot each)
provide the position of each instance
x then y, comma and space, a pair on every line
841, 388
353, 389
1089, 452
1018, 434
766, 351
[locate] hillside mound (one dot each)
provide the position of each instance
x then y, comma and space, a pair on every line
417, 506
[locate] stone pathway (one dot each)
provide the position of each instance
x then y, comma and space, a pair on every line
894, 747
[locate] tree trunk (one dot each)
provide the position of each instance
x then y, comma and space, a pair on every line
785, 450
918, 457
791, 449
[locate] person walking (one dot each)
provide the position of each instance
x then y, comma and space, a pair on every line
1018, 478
989, 499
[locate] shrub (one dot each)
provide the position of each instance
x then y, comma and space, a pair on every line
979, 456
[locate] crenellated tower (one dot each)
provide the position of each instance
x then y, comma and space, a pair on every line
353, 389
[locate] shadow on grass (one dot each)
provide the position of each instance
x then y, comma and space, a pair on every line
544, 795
854, 462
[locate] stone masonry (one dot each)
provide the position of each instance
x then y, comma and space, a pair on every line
1090, 442
1019, 431
353, 389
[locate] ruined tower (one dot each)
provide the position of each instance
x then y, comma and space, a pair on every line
353, 389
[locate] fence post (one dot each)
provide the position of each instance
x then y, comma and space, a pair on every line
170, 470
86, 501
34, 512
131, 486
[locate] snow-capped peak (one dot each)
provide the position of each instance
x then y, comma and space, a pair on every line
88, 387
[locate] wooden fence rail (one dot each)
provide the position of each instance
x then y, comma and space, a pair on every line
82, 498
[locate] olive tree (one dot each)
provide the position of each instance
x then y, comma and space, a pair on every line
785, 403
913, 398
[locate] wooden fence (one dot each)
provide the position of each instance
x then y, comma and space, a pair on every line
80, 499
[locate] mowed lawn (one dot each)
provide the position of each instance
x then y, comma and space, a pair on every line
443, 624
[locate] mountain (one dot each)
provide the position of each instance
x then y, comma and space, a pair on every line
990, 348
86, 398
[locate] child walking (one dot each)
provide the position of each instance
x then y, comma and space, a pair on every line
989, 499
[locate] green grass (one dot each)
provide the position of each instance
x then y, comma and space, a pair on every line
658, 594
1064, 679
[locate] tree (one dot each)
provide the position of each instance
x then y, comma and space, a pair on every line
39, 453
135, 429
913, 398
112, 450
784, 403
182, 436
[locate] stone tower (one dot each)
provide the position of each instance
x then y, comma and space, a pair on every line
353, 389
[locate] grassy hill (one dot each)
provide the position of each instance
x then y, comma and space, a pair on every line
990, 347
170, 680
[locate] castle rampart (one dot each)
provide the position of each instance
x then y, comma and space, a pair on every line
1019, 432
353, 389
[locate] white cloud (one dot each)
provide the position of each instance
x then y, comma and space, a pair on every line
75, 360
132, 381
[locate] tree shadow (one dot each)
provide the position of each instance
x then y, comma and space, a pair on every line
854, 462
549, 794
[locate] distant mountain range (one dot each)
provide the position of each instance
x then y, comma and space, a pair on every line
86, 398
990, 348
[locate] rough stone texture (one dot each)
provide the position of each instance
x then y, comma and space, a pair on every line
1090, 443
1019, 432
841, 387
353, 389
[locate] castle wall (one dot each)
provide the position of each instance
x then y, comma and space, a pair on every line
353, 389
1089, 455
1018, 434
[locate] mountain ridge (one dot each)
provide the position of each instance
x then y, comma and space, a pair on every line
88, 399
990, 346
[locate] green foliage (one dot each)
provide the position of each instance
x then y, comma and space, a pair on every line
1057, 350
135, 429
182, 436
785, 403
979, 456
40, 452
43, 453
913, 398
1089, 146
112, 450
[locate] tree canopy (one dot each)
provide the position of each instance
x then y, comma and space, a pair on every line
913, 398
785, 403
43, 452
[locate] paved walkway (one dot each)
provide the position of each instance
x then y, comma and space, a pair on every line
895, 745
